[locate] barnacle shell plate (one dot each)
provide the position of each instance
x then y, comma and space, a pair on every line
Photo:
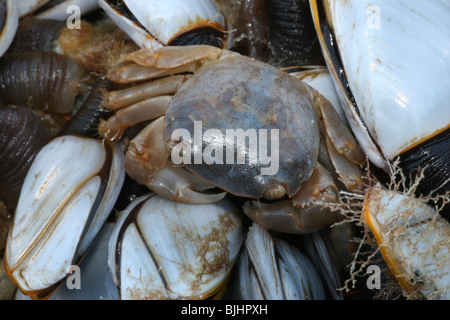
414, 240
67, 194
396, 58
162, 249
159, 22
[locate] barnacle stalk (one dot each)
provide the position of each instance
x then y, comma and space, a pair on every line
22, 135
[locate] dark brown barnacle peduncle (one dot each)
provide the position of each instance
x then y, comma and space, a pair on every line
40, 80
36, 35
85, 121
22, 135
281, 32
252, 29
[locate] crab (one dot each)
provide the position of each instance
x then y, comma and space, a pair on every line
205, 103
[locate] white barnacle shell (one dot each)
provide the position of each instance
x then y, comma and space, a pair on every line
67, 195
390, 62
91, 279
272, 269
153, 24
162, 249
414, 240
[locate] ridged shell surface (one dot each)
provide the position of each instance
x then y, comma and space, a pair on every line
395, 55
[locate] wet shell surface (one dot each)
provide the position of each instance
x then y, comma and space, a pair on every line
162, 249
67, 195
414, 240
390, 62
272, 269
42, 80
243, 94
153, 24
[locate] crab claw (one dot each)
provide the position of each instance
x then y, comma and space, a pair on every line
305, 213
147, 163
175, 183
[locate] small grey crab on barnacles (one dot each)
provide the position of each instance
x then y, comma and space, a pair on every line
208, 102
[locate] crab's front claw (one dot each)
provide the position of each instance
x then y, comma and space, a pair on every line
308, 211
283, 217
177, 184
147, 162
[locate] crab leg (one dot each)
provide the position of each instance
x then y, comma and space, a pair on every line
350, 174
343, 155
149, 109
177, 184
147, 163
148, 64
147, 153
283, 217
324, 158
125, 97
306, 215
341, 136
169, 57
134, 72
